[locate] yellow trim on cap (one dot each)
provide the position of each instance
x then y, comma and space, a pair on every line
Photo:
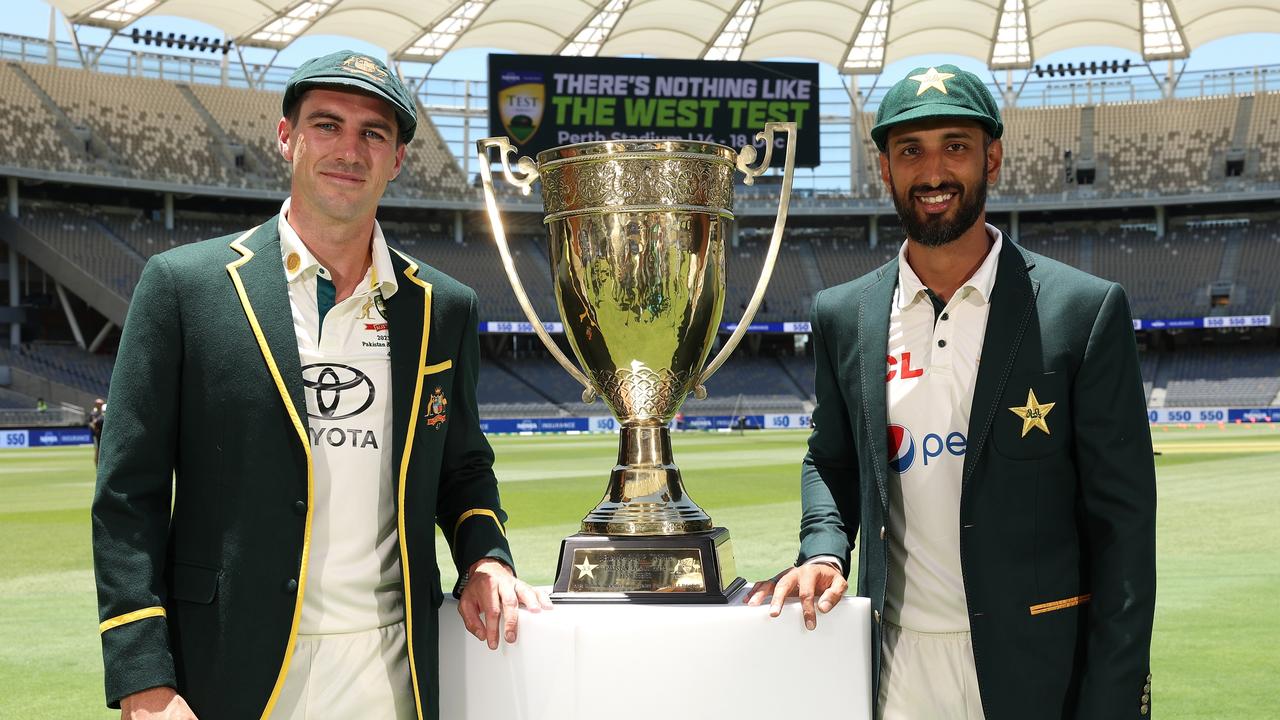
474, 512
411, 273
1060, 604
127, 618
233, 269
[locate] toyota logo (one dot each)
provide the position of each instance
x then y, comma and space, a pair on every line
341, 391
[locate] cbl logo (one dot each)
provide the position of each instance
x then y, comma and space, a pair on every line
902, 447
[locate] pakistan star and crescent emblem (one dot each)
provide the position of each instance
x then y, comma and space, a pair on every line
932, 79
586, 569
1033, 414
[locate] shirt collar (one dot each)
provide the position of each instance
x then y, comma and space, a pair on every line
381, 275
910, 289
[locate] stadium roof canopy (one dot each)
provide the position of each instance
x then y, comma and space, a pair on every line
855, 36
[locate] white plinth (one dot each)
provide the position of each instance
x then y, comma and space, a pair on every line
624, 662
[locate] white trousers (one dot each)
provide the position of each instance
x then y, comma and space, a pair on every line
349, 675
927, 676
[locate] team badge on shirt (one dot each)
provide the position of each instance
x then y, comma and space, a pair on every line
436, 404
1033, 414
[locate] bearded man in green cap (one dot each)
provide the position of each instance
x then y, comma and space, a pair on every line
293, 408
981, 421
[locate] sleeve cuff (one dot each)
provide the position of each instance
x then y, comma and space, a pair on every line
831, 560
478, 533
136, 655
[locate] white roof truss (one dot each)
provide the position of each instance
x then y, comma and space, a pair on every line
734, 33
1011, 48
1162, 36
589, 38
433, 44
866, 52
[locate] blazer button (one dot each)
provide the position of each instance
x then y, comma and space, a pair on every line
877, 614
1148, 677
881, 532
300, 508
1146, 689
1144, 709
1146, 699
290, 585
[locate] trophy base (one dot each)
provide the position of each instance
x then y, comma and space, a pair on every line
658, 569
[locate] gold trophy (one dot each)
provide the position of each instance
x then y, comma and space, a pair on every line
637, 248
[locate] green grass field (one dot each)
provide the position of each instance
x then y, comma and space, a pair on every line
1217, 622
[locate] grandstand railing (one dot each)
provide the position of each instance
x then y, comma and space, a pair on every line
53, 417
459, 108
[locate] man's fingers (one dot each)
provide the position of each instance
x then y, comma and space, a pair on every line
493, 612
830, 598
510, 610
470, 612
781, 590
806, 590
758, 592
532, 598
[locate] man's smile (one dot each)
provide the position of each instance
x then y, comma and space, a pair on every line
936, 201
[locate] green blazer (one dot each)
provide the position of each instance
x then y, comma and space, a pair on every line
202, 514
1057, 530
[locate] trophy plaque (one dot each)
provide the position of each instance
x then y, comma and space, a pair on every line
637, 232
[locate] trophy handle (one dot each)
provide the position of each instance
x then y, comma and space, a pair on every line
528, 174
745, 157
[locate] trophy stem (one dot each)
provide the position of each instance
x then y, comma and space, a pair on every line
646, 494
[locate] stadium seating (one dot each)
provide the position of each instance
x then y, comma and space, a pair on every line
28, 135
62, 363
1035, 141
1259, 269
144, 126
1164, 147
207, 136
82, 237
158, 130
1264, 136
1234, 377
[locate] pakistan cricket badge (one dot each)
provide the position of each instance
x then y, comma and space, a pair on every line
436, 405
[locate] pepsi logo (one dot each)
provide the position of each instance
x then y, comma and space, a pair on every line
902, 449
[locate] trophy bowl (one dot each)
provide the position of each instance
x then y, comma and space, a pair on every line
637, 232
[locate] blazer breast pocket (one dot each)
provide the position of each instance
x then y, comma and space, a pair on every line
437, 390
1034, 417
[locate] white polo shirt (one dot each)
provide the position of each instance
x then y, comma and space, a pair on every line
932, 367
353, 578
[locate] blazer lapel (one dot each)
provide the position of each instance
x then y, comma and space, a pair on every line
1012, 302
259, 279
409, 327
873, 341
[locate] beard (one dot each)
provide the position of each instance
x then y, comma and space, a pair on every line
936, 230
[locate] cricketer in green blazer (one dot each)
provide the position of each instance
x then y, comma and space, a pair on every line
208, 417
1055, 498
1057, 535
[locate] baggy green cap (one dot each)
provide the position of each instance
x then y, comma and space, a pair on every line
943, 91
347, 69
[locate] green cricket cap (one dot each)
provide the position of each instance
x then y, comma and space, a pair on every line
350, 70
942, 91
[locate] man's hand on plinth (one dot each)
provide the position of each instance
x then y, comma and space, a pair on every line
494, 593
818, 579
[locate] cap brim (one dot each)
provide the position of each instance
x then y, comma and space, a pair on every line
880, 133
407, 123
